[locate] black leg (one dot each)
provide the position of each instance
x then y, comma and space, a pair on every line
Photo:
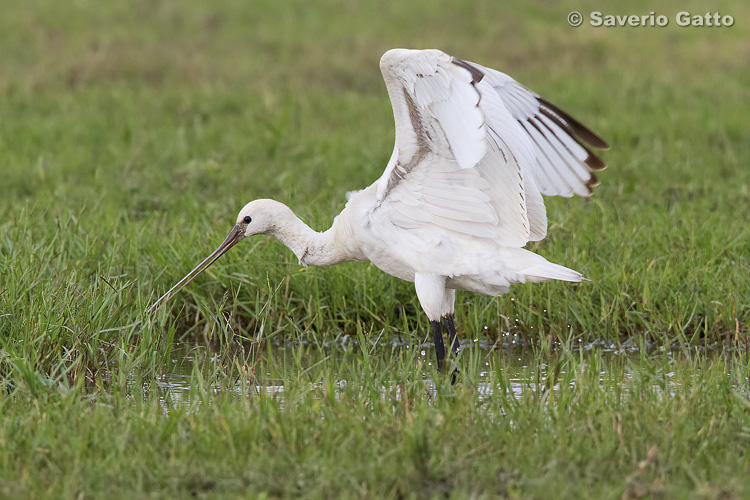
437, 335
451, 327
453, 339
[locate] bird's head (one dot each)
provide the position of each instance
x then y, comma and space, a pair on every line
257, 217
262, 217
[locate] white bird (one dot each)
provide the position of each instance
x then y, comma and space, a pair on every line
461, 195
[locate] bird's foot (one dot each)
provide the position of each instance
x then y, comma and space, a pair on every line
454, 376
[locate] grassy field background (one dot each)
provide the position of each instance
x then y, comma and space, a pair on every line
132, 133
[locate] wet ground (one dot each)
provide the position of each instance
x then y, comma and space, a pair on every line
521, 367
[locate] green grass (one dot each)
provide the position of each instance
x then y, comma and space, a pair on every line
368, 425
131, 135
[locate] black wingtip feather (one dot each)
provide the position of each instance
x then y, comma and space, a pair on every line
594, 162
574, 125
592, 182
476, 73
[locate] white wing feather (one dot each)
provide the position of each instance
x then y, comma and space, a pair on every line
563, 164
471, 154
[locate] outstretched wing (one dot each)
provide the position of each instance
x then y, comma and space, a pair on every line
564, 163
465, 159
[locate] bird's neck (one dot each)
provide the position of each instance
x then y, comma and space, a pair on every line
314, 248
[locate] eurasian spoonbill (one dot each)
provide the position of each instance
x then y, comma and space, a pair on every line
461, 195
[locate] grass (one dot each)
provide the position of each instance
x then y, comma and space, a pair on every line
131, 135
368, 425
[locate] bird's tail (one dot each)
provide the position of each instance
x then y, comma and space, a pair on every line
547, 271
524, 266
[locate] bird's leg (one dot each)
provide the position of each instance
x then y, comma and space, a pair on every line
437, 335
451, 327
453, 339
435, 299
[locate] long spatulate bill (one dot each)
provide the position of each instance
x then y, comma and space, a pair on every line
235, 235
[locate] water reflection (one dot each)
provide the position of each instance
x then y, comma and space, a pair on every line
520, 369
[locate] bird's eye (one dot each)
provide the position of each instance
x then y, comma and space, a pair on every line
247, 219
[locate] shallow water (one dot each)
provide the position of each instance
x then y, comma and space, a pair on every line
521, 368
